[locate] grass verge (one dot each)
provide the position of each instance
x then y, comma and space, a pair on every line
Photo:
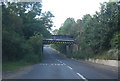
15, 65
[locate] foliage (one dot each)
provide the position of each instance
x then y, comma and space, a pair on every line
11, 45
97, 33
115, 40
64, 30
68, 24
111, 54
55, 31
24, 26
101, 27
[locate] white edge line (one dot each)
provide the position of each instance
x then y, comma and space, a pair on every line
82, 76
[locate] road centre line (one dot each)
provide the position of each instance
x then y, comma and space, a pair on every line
82, 76
69, 67
64, 63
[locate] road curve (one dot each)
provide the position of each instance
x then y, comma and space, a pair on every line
56, 66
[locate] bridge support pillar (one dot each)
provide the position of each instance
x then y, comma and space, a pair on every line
68, 50
41, 51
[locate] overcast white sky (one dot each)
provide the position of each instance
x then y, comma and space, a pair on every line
62, 9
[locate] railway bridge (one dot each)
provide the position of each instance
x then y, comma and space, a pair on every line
61, 39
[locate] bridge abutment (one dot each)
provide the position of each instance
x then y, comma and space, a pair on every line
70, 49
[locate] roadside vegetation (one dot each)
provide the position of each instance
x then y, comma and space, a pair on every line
97, 36
23, 28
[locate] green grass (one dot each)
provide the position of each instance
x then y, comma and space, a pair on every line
14, 65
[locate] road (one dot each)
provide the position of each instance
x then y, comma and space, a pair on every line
56, 66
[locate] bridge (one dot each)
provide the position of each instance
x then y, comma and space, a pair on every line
59, 39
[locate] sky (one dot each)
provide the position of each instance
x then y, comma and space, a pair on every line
63, 9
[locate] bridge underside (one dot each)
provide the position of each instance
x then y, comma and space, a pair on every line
58, 41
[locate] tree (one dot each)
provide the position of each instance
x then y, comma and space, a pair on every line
65, 28
23, 30
96, 33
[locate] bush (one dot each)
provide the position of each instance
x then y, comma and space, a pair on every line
112, 54
36, 42
82, 54
16, 48
84, 51
115, 41
11, 46
33, 49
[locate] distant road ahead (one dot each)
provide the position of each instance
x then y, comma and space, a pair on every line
56, 66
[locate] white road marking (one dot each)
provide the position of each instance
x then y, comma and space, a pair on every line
69, 67
82, 76
52, 64
64, 63
72, 68
61, 62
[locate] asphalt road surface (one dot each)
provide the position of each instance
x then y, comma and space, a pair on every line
56, 66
